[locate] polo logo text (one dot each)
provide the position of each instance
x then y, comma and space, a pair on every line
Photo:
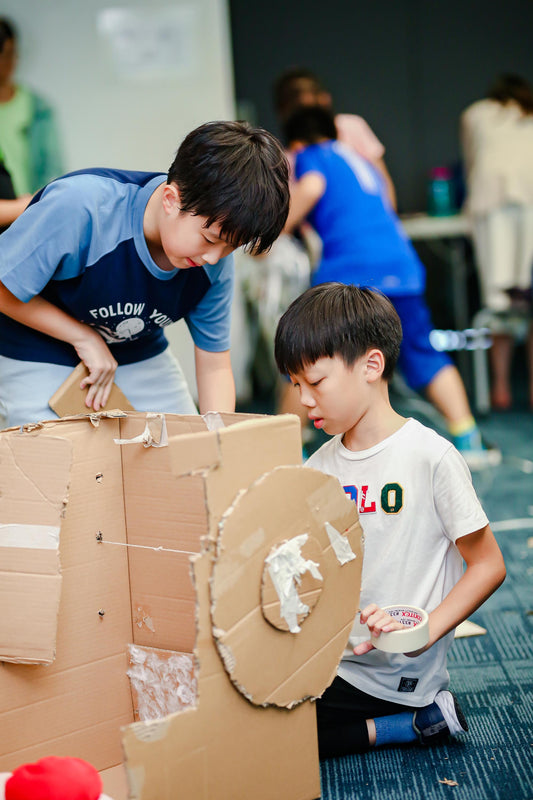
391, 498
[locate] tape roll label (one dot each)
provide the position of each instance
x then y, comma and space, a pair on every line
415, 633
407, 616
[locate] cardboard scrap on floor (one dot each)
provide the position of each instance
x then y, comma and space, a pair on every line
208, 588
469, 628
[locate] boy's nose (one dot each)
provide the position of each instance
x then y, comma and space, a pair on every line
306, 398
214, 254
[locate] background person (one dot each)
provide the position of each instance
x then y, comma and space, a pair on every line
497, 141
29, 136
342, 196
298, 86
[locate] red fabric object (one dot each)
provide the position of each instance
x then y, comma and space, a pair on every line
55, 778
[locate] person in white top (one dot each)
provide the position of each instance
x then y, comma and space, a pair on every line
497, 143
420, 515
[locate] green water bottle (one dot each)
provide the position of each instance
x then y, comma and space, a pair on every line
441, 193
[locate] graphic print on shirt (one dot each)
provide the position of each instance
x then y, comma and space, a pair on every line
131, 324
391, 498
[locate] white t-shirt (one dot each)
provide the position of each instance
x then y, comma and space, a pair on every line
497, 142
415, 498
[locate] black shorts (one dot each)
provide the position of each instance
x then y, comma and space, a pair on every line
341, 715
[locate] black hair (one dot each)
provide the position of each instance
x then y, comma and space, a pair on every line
290, 85
337, 319
310, 124
8, 32
512, 87
237, 176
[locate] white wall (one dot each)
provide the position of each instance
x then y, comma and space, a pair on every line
131, 112
127, 99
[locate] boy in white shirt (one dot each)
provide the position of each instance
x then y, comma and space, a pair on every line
419, 512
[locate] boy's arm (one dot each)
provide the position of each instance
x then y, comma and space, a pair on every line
305, 194
43, 316
485, 571
214, 379
11, 209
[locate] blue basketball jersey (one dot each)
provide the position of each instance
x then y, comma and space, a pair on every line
363, 242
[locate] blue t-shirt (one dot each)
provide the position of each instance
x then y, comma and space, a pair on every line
363, 242
80, 245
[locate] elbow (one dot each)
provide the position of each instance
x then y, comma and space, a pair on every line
500, 573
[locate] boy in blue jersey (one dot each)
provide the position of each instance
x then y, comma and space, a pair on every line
343, 197
419, 512
102, 260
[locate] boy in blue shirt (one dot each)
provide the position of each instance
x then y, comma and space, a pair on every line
102, 260
419, 512
343, 197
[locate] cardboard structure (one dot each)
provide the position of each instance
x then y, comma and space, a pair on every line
175, 592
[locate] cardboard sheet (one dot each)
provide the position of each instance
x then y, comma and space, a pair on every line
69, 399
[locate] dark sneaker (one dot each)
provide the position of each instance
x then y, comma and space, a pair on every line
443, 718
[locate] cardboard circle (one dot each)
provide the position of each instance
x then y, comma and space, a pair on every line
267, 665
309, 588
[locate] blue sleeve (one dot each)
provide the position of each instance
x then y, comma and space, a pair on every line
306, 163
49, 239
209, 322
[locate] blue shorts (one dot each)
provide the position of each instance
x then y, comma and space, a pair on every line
419, 362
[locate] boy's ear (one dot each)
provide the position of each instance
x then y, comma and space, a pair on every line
171, 197
375, 364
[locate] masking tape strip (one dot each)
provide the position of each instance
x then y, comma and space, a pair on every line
154, 434
285, 566
213, 421
340, 544
40, 537
413, 637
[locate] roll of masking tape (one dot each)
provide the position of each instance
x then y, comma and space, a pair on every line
414, 635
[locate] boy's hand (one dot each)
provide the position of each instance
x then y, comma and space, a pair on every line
99, 360
378, 621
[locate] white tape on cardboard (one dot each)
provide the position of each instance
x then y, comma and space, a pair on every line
154, 434
40, 537
340, 544
285, 566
